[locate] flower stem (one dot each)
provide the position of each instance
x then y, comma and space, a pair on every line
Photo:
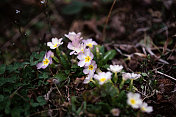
56, 59
58, 51
131, 85
122, 83
115, 78
92, 81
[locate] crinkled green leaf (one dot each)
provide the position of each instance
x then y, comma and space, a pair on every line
35, 104
7, 107
16, 112
41, 100
108, 56
2, 68
9, 80
1, 98
16, 66
75, 7
61, 76
43, 75
64, 61
36, 58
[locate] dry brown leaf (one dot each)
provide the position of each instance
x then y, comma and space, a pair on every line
165, 45
79, 80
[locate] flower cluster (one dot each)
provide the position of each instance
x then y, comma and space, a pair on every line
47, 60
135, 101
84, 54
82, 49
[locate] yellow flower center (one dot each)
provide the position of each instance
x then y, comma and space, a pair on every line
132, 101
82, 50
102, 79
90, 45
55, 45
91, 67
143, 109
87, 59
46, 61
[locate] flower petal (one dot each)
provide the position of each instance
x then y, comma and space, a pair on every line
39, 65
81, 63
55, 41
49, 44
85, 71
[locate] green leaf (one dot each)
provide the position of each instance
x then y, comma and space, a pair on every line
122, 96
36, 58
16, 66
64, 61
144, 74
43, 75
81, 108
1, 98
67, 72
41, 100
16, 112
75, 7
108, 56
105, 66
61, 76
9, 80
2, 68
35, 104
7, 107
73, 105
75, 66
102, 51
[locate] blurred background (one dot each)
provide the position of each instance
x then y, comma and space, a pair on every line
26, 25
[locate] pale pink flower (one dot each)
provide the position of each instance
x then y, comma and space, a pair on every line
115, 112
76, 47
90, 69
89, 43
145, 108
73, 36
134, 100
102, 77
88, 79
47, 60
85, 58
115, 68
55, 43
130, 76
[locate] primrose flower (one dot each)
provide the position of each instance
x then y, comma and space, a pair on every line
76, 47
115, 68
89, 43
134, 100
131, 76
55, 43
90, 69
73, 36
88, 79
145, 108
46, 60
115, 112
102, 77
85, 58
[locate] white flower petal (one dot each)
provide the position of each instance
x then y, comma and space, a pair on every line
55, 41
49, 44
85, 71
81, 63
